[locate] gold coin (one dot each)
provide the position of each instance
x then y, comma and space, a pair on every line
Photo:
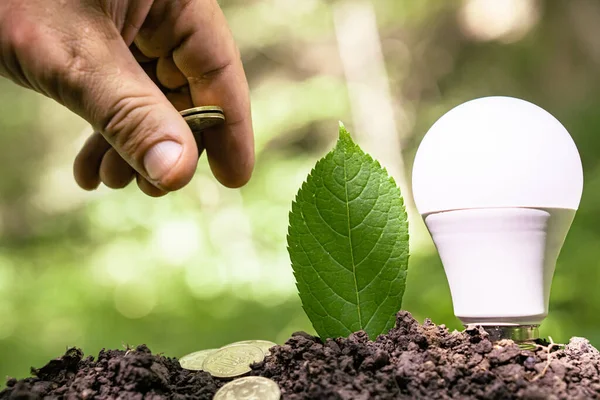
264, 345
201, 118
231, 361
249, 388
202, 109
194, 361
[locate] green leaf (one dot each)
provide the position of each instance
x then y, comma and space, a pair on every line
348, 243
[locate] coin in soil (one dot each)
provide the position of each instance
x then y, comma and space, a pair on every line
202, 118
194, 361
233, 360
264, 345
249, 388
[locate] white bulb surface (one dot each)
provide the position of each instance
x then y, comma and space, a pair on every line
498, 181
497, 152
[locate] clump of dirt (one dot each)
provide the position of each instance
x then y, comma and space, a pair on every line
412, 361
131, 374
426, 361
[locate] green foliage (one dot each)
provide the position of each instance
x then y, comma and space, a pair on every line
348, 242
103, 268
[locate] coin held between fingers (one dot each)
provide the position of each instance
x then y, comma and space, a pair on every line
202, 118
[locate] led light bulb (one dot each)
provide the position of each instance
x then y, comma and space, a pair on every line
497, 181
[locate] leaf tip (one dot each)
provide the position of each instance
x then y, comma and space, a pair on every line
344, 134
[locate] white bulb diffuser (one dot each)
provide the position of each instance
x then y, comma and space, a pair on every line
497, 181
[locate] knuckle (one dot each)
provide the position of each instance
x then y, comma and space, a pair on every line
17, 36
19, 32
128, 124
213, 69
76, 62
73, 72
44, 59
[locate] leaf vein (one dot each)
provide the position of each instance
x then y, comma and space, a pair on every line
351, 246
386, 296
329, 255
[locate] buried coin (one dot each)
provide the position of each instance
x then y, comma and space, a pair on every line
194, 361
249, 388
201, 118
264, 345
233, 360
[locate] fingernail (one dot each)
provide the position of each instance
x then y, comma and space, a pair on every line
161, 158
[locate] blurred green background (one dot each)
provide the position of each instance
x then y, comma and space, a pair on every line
207, 265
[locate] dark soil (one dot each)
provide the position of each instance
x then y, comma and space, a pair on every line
412, 361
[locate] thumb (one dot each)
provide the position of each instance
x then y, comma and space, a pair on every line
96, 76
135, 117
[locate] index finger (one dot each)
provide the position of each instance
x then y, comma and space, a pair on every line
202, 46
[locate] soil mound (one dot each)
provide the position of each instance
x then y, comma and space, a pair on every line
412, 361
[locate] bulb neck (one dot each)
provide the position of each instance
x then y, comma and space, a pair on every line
522, 333
500, 261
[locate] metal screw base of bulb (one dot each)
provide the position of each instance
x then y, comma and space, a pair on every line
519, 333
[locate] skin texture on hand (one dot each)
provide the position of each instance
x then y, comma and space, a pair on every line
127, 67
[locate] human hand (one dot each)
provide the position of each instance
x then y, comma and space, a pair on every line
127, 66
